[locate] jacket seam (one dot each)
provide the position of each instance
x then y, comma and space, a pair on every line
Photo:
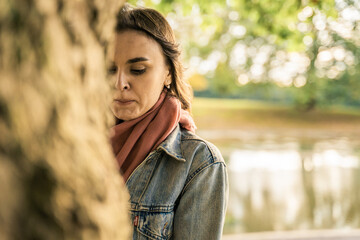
197, 172
210, 161
156, 209
178, 158
146, 235
150, 234
213, 158
150, 176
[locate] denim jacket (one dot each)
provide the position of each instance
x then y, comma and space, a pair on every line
180, 190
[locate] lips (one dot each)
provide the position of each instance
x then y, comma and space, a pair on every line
124, 101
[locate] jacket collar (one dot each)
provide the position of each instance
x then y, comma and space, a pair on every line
172, 145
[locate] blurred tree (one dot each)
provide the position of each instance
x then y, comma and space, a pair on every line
58, 175
308, 46
198, 82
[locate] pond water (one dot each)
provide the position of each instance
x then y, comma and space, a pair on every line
293, 180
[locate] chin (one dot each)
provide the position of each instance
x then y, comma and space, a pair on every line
126, 117
120, 115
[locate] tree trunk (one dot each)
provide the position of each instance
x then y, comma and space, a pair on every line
58, 176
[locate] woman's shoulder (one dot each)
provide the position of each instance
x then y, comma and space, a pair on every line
199, 149
203, 158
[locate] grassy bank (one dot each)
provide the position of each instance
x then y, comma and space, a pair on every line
244, 114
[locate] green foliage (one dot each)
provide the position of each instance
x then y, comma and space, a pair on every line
223, 80
292, 26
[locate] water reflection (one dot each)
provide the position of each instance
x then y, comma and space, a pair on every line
297, 182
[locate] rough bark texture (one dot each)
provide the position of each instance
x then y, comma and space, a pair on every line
58, 177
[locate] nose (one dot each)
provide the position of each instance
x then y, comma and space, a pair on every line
122, 82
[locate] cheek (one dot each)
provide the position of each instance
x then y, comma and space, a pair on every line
149, 87
153, 82
151, 93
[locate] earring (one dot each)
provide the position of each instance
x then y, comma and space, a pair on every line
167, 86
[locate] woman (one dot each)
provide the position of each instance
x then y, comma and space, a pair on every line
177, 181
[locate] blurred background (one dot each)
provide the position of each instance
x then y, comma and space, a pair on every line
276, 88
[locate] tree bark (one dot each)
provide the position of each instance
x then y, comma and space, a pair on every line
58, 176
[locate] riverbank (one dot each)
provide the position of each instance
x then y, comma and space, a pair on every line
211, 114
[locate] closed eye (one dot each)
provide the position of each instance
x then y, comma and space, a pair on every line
138, 71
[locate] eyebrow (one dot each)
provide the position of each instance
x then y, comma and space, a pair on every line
138, 59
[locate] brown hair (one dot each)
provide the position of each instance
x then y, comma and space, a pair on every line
154, 24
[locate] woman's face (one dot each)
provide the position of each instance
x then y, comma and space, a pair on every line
139, 73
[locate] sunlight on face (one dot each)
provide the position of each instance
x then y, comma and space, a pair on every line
139, 73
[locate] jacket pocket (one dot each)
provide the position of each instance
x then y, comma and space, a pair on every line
154, 225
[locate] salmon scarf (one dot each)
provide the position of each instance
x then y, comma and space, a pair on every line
133, 140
